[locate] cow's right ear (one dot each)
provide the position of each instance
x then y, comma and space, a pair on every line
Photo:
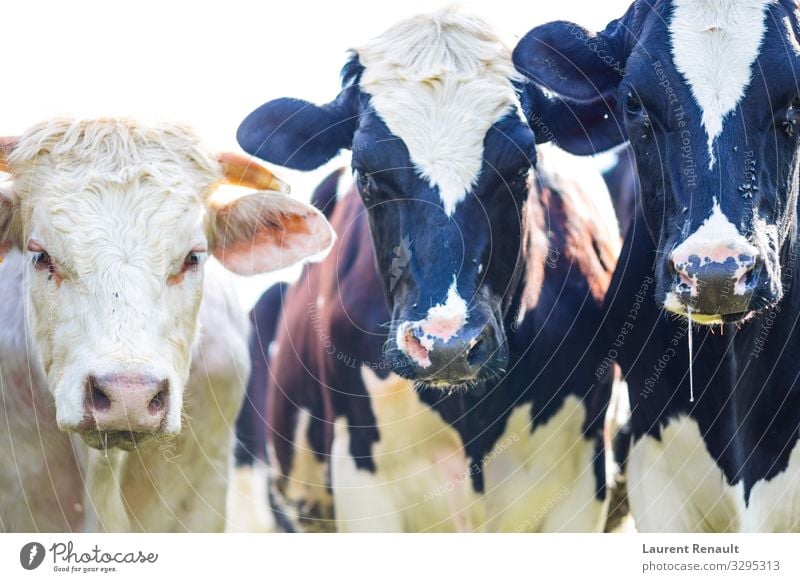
298, 134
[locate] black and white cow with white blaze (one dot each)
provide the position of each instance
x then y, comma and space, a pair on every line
707, 95
453, 386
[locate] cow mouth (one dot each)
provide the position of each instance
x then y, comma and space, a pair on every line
712, 319
404, 368
116, 439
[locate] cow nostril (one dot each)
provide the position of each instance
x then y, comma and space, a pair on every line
159, 402
474, 352
747, 279
479, 350
414, 348
98, 399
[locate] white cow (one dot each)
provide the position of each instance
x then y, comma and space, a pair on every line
114, 329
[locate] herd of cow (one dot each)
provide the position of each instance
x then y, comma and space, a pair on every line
453, 364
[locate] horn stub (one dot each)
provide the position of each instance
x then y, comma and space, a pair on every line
239, 170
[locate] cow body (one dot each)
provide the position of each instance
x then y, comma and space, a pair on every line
452, 387
522, 453
729, 460
706, 95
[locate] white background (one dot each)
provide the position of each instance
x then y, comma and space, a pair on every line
211, 63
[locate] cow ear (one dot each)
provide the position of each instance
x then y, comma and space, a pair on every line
573, 79
8, 209
266, 231
581, 128
8, 200
298, 134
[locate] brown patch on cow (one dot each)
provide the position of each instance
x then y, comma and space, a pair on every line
176, 279
274, 230
535, 248
56, 278
579, 236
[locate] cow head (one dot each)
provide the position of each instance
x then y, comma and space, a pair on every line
441, 157
116, 220
707, 95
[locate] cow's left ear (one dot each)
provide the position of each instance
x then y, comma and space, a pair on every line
267, 231
581, 72
8, 200
8, 208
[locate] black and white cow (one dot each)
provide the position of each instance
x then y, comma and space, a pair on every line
481, 411
707, 95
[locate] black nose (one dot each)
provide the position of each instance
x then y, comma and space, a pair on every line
459, 359
716, 287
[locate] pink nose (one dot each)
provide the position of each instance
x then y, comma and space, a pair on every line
122, 402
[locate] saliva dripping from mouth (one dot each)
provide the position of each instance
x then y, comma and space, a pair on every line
689, 336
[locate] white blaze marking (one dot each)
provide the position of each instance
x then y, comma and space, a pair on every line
446, 319
443, 322
714, 46
439, 82
716, 240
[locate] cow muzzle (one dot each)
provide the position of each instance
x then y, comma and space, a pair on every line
717, 284
439, 356
123, 410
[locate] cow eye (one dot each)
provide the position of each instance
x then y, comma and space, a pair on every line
522, 174
793, 113
43, 262
632, 103
366, 185
193, 260
365, 182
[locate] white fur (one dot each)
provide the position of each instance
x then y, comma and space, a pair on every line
453, 308
714, 46
247, 509
534, 481
42, 486
674, 485
118, 206
717, 233
439, 82
177, 483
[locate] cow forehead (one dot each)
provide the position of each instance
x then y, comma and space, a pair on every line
141, 213
66, 157
714, 46
439, 83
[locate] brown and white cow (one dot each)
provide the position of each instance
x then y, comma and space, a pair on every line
114, 328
